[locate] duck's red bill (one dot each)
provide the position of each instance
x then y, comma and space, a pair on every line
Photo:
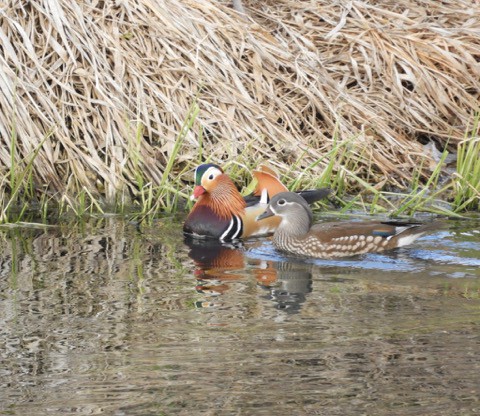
198, 190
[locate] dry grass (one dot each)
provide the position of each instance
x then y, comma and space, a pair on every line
99, 91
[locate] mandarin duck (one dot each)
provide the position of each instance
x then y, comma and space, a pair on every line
221, 212
296, 234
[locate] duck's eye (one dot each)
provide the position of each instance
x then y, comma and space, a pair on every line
282, 202
211, 176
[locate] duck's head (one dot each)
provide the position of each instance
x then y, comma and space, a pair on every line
291, 207
207, 178
214, 189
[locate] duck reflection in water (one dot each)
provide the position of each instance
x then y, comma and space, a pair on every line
218, 264
294, 283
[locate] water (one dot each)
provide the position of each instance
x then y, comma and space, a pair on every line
106, 317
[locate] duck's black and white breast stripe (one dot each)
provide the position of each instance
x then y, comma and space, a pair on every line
234, 229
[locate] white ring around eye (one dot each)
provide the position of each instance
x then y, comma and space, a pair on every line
281, 202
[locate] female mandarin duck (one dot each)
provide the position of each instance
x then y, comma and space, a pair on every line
296, 235
222, 213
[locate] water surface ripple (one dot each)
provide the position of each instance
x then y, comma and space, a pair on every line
108, 317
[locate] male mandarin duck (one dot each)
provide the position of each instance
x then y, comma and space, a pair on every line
221, 212
296, 234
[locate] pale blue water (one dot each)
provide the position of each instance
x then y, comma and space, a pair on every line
108, 317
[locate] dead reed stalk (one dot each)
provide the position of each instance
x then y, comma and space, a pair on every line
111, 83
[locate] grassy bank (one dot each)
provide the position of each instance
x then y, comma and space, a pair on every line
446, 190
109, 107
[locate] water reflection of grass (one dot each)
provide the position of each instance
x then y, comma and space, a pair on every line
472, 291
389, 310
467, 289
453, 287
91, 265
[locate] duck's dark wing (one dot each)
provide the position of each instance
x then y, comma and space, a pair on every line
311, 196
314, 195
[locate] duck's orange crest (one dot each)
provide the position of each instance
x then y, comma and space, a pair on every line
267, 180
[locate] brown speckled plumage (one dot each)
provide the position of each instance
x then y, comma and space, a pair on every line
296, 235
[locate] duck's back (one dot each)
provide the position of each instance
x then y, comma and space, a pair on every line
340, 239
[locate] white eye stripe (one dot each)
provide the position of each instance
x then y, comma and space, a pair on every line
212, 173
